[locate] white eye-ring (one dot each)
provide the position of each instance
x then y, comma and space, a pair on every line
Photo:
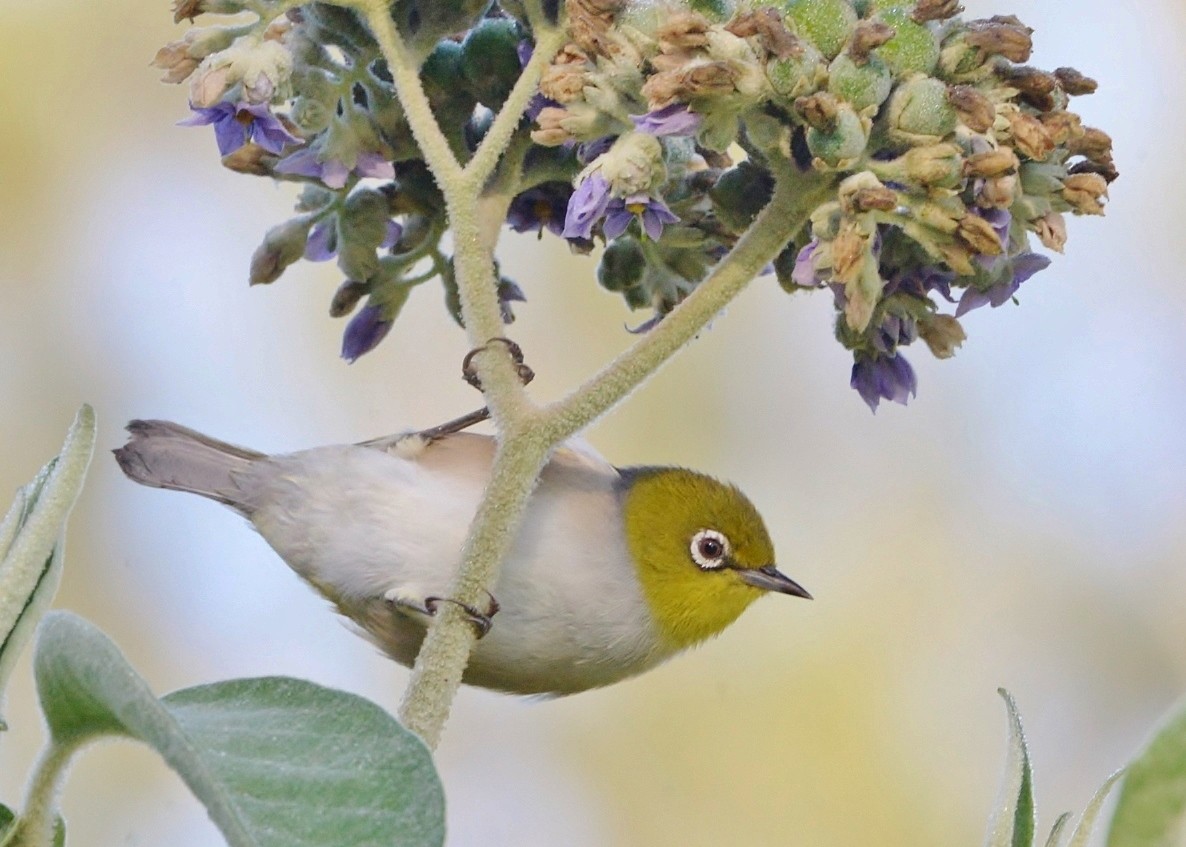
710, 549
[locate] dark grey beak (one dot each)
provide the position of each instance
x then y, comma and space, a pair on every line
770, 578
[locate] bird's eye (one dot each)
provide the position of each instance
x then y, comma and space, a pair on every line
710, 549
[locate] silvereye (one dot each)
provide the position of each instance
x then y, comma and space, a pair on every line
613, 570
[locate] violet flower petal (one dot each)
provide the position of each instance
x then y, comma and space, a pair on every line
586, 206
364, 332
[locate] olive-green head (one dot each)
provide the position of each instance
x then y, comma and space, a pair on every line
702, 551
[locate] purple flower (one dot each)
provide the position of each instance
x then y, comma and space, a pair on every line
235, 125
894, 330
539, 207
333, 172
586, 206
920, 281
538, 102
1021, 267
587, 151
674, 119
804, 273
364, 332
884, 378
650, 211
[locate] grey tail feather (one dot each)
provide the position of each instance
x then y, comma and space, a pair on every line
162, 454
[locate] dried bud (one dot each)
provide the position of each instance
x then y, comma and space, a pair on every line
1094, 144
590, 20
991, 163
866, 37
1030, 137
942, 333
282, 245
939, 165
864, 191
1105, 169
346, 298
683, 32
1062, 126
998, 192
689, 82
979, 234
1084, 192
975, 111
1001, 35
935, 10
1036, 87
250, 159
772, 34
565, 79
818, 110
1075, 83
1051, 229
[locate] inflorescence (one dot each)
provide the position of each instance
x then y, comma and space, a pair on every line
653, 132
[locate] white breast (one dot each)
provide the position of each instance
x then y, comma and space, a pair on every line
359, 521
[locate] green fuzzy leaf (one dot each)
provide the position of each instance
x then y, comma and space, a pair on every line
1012, 823
277, 762
1151, 809
31, 541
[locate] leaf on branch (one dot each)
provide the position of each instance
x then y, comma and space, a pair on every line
1012, 823
31, 541
1151, 809
276, 761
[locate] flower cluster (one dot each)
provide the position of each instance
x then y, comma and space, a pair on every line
655, 131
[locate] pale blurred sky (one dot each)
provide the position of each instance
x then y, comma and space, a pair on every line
1020, 524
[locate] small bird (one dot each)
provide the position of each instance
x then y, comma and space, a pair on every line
613, 569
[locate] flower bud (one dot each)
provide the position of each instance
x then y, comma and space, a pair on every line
282, 245
967, 51
1035, 87
827, 24
991, 163
365, 331
798, 75
622, 265
739, 194
346, 298
490, 59
861, 84
935, 10
919, 112
839, 147
913, 48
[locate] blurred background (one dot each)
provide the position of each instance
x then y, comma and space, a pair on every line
1019, 525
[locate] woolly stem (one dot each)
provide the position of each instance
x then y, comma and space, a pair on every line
35, 827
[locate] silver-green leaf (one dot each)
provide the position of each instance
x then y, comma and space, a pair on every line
31, 541
1151, 809
277, 761
1012, 822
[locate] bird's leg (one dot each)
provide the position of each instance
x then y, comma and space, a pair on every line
482, 621
455, 425
526, 374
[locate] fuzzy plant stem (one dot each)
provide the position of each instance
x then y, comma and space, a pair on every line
35, 827
477, 206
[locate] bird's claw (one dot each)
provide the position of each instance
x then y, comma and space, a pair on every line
482, 621
470, 375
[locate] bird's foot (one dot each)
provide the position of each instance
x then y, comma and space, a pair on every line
470, 375
482, 621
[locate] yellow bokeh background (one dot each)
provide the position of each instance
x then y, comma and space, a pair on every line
1021, 524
